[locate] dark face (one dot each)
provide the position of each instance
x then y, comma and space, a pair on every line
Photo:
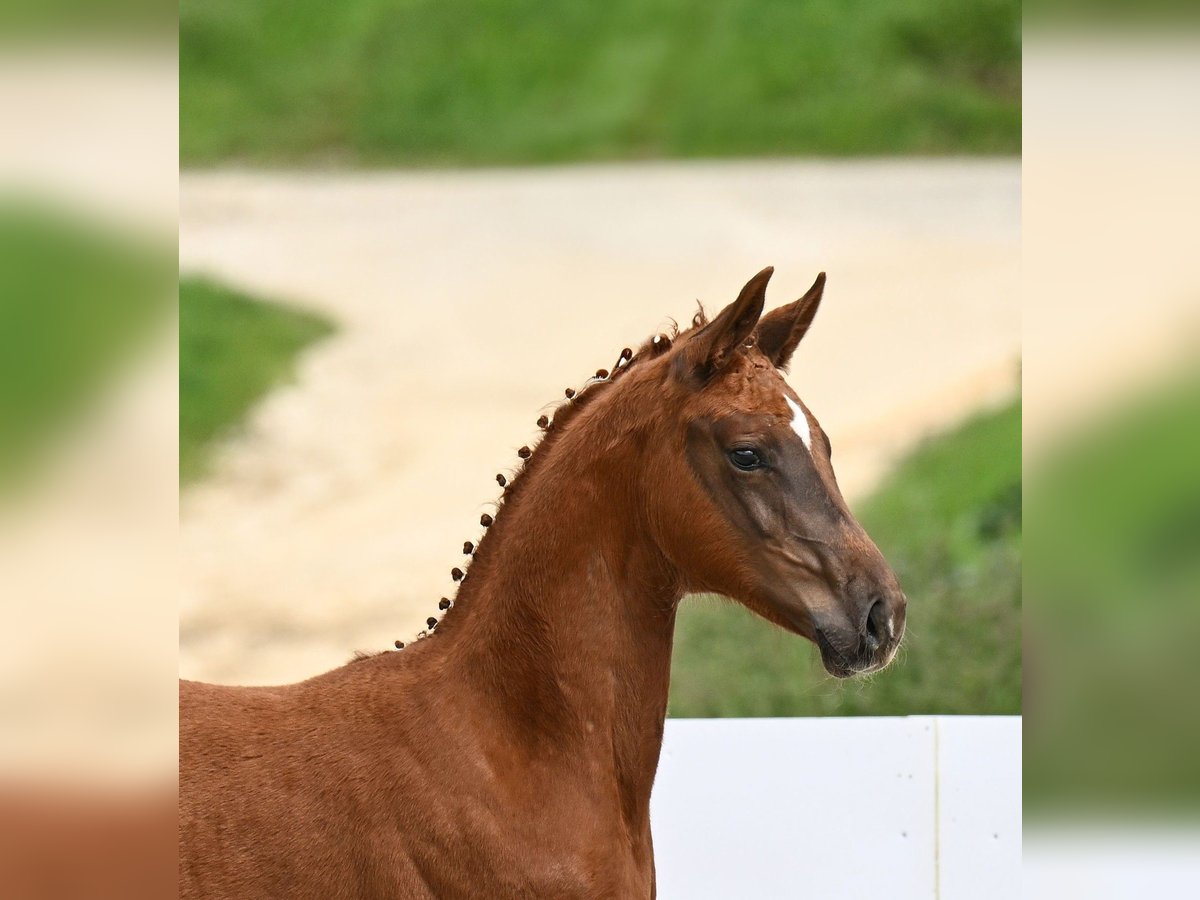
761, 519
806, 563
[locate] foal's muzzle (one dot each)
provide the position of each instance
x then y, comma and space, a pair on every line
870, 648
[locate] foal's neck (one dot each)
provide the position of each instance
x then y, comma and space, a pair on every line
566, 619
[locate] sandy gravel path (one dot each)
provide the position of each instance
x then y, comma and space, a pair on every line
468, 301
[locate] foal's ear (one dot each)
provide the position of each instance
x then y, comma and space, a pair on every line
718, 341
780, 331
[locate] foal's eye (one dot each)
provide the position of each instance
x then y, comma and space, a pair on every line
745, 458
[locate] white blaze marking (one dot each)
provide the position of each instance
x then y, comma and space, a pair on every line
800, 422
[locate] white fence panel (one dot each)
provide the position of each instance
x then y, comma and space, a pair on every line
838, 808
979, 820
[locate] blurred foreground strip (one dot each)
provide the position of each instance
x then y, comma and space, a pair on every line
78, 299
88, 419
57, 844
87, 518
1112, 426
1113, 575
1110, 862
87, 549
88, 509
1112, 445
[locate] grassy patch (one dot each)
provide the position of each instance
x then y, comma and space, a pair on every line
373, 82
76, 300
232, 350
949, 521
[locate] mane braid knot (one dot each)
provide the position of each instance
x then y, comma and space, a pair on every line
657, 345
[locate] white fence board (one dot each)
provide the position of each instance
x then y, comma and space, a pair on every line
979, 817
837, 808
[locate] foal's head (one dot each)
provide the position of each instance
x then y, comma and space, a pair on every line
742, 496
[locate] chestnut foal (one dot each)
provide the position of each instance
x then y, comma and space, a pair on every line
511, 751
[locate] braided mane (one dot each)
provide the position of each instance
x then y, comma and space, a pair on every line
552, 427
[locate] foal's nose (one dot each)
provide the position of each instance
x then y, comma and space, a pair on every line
882, 624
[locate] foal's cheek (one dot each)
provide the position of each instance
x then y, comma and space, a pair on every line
762, 509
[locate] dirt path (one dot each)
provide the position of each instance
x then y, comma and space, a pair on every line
468, 301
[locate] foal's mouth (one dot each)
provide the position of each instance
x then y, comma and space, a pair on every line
836, 663
847, 665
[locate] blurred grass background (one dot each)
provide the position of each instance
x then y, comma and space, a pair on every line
374, 82
948, 519
232, 350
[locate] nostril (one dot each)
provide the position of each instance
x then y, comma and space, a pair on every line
879, 629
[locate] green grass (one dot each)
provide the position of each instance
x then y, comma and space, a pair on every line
949, 521
232, 350
476, 82
77, 299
